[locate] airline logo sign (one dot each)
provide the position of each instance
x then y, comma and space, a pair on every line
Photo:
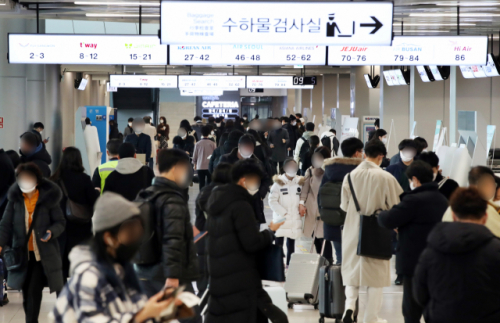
143, 81
285, 23
415, 50
86, 49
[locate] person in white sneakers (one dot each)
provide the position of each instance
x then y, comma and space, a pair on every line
284, 200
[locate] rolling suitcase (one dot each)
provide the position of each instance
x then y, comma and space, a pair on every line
332, 294
302, 278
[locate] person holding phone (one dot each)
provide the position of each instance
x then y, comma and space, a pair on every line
31, 224
103, 285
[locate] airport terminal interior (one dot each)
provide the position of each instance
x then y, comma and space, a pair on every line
83, 73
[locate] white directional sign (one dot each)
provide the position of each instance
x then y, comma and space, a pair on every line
143, 81
201, 92
274, 82
415, 50
247, 54
277, 23
86, 49
211, 81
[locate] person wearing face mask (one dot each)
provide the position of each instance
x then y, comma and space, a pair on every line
484, 180
278, 140
381, 134
375, 189
414, 218
176, 263
421, 145
150, 130
232, 142
290, 124
140, 140
246, 122
407, 151
303, 143
163, 132
446, 185
102, 270
184, 141
306, 156
331, 188
371, 134
284, 200
38, 128
236, 293
329, 140
30, 226
308, 208
245, 150
128, 129
202, 151
130, 175
32, 150
262, 152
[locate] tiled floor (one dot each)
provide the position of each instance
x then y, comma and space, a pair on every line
391, 308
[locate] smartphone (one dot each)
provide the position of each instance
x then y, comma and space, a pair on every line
280, 220
199, 236
46, 236
48, 138
172, 292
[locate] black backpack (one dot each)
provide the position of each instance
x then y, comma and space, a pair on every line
151, 249
325, 141
329, 204
304, 150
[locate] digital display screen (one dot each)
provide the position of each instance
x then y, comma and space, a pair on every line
415, 50
276, 23
368, 81
143, 81
274, 82
478, 71
467, 72
490, 69
211, 81
388, 78
247, 54
423, 74
435, 72
86, 49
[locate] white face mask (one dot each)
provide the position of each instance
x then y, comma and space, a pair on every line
434, 176
252, 190
245, 118
384, 140
425, 150
213, 133
291, 171
294, 123
497, 203
406, 156
217, 124
41, 132
138, 130
412, 187
317, 163
245, 154
130, 124
26, 186
161, 121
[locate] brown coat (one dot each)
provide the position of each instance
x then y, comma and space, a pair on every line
309, 197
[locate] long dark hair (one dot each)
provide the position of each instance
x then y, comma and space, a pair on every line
258, 138
185, 124
313, 144
71, 160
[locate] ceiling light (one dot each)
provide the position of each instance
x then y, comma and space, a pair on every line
122, 15
106, 3
431, 24
454, 15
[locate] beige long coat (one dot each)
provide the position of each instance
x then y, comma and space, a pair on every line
309, 197
375, 189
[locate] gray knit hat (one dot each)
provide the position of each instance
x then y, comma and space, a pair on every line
112, 209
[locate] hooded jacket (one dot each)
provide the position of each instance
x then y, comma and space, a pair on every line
335, 170
142, 144
233, 244
185, 144
47, 216
414, 217
110, 294
178, 258
305, 137
456, 279
40, 157
284, 201
129, 177
223, 149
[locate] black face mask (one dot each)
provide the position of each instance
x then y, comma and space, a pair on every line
125, 253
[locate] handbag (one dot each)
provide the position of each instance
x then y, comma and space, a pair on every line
15, 258
76, 212
374, 240
270, 264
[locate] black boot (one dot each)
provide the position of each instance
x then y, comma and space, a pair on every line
399, 280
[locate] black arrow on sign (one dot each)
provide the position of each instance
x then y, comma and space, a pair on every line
377, 25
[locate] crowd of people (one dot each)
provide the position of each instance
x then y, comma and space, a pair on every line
119, 245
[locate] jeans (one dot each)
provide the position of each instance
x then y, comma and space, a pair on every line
151, 163
204, 177
152, 281
290, 247
412, 312
327, 253
338, 251
32, 289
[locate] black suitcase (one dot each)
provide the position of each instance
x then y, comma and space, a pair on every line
332, 294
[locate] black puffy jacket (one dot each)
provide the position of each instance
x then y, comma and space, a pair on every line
233, 241
41, 158
185, 144
456, 279
178, 252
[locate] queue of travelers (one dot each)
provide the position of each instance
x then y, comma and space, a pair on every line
122, 246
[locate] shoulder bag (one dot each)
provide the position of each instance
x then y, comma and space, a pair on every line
75, 212
374, 241
17, 257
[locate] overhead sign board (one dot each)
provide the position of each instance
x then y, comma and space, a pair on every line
247, 54
143, 81
276, 23
86, 49
274, 82
415, 50
211, 81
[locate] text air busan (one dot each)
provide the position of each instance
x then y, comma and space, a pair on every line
353, 49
